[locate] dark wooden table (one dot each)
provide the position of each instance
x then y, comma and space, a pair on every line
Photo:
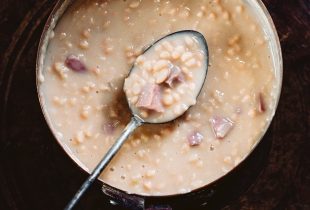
35, 173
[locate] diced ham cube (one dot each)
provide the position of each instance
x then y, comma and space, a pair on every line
146, 96
150, 98
221, 126
261, 103
195, 138
175, 75
74, 63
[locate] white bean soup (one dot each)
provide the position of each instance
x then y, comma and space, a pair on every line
91, 52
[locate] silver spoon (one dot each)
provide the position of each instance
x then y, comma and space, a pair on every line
136, 120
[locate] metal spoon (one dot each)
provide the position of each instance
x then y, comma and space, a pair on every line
136, 120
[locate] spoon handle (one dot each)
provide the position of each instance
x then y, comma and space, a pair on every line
132, 125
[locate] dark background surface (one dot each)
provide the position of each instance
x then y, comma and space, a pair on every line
35, 173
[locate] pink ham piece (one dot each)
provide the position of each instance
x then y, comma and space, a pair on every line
261, 103
221, 126
74, 63
150, 98
194, 138
175, 75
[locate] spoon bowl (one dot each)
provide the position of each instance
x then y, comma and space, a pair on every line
204, 48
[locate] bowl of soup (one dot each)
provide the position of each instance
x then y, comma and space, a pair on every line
87, 50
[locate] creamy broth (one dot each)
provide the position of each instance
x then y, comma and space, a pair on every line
89, 56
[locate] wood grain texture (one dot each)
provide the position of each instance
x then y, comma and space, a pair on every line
35, 173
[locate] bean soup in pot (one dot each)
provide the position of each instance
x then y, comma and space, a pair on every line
91, 52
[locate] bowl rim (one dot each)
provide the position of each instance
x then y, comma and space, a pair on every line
276, 54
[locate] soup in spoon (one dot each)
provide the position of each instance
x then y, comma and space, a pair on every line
167, 78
